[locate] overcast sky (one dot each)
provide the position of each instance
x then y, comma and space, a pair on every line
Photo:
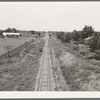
46, 16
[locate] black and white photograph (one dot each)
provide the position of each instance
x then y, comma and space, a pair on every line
50, 46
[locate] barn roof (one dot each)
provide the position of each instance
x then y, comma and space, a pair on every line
5, 33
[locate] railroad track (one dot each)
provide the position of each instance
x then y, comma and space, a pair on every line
44, 80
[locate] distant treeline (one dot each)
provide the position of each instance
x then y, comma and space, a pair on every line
13, 30
87, 33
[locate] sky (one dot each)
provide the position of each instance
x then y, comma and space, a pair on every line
49, 16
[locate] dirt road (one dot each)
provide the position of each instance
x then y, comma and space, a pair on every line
44, 80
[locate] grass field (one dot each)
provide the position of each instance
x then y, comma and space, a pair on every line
14, 42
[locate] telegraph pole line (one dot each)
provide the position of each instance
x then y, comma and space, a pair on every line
26, 46
8, 51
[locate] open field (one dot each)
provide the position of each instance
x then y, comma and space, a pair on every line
14, 42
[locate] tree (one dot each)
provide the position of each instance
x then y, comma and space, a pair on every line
8, 30
87, 31
39, 34
66, 37
94, 43
32, 32
14, 30
75, 35
1, 31
60, 34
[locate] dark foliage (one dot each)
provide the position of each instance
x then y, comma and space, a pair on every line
80, 36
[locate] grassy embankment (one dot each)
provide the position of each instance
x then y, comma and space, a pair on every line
20, 74
79, 74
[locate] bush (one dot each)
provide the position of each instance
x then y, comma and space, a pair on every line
93, 56
75, 35
65, 38
87, 31
94, 42
97, 52
60, 34
82, 52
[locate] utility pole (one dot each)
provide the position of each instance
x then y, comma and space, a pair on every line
26, 46
8, 53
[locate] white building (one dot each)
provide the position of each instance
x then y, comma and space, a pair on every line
11, 35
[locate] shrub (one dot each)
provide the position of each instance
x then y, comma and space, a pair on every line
97, 52
75, 35
87, 31
60, 34
65, 38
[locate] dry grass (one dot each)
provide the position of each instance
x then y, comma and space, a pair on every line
20, 75
79, 74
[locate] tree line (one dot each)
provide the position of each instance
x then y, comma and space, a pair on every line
14, 30
81, 36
